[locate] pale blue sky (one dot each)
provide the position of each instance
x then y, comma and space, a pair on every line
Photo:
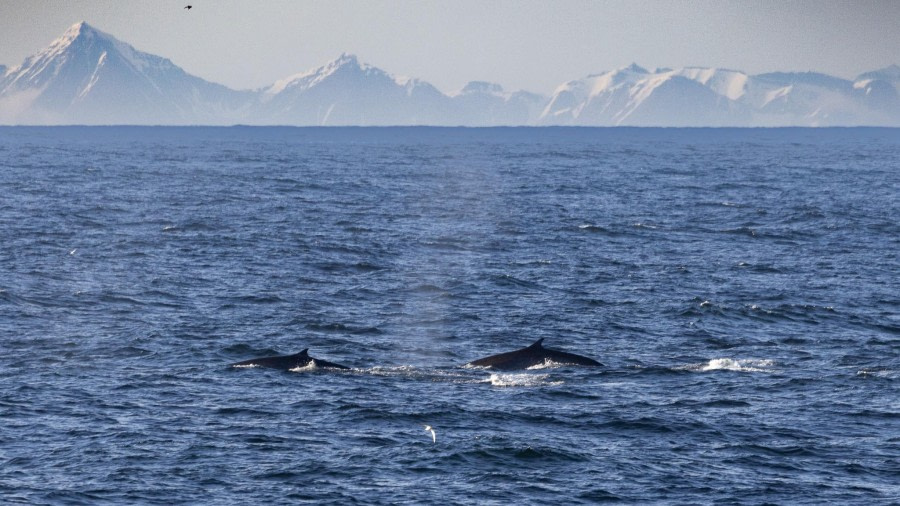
521, 44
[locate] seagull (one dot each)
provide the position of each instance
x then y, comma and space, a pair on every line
433, 436
188, 7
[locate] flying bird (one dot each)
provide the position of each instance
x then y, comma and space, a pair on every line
188, 7
433, 436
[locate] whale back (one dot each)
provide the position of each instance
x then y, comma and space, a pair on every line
530, 356
288, 362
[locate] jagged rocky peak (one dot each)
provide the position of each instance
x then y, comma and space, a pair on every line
346, 59
481, 87
346, 62
343, 61
634, 68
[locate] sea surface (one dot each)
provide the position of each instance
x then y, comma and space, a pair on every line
740, 286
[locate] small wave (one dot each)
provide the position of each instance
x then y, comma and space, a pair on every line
730, 364
343, 329
510, 281
725, 203
428, 288
353, 268
748, 231
255, 299
760, 268
597, 229
521, 380
447, 244
878, 372
193, 226
507, 454
248, 366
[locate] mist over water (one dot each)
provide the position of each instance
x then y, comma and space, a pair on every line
739, 286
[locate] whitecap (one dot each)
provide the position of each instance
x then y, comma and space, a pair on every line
247, 366
311, 366
878, 372
521, 380
741, 365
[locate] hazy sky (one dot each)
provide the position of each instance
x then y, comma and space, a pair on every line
521, 44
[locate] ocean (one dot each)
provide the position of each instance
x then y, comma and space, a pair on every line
740, 286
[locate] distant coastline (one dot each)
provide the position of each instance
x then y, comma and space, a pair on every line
89, 77
447, 135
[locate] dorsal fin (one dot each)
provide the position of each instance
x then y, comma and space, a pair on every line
304, 353
537, 344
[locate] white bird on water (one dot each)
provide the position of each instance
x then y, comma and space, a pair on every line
433, 436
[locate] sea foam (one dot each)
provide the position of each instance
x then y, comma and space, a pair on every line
731, 364
521, 380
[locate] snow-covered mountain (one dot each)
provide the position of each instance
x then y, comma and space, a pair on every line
347, 92
636, 97
89, 77
694, 96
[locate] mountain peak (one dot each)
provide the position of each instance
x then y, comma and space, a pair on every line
75, 30
482, 87
344, 61
344, 64
634, 67
346, 58
79, 30
78, 35
79, 26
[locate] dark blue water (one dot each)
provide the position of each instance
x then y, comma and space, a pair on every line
742, 288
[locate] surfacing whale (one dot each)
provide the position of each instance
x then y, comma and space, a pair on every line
531, 356
288, 362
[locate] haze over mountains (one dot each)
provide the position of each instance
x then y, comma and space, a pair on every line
89, 77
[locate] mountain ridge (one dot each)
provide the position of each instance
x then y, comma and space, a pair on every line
87, 76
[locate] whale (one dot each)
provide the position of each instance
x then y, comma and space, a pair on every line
288, 362
531, 356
